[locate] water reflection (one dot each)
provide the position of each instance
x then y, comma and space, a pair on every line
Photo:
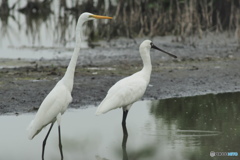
5, 15
210, 121
45, 23
179, 128
124, 142
36, 9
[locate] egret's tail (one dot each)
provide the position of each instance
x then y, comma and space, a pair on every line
30, 131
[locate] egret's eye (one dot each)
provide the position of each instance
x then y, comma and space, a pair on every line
151, 44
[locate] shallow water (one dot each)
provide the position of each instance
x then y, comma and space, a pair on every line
177, 128
37, 36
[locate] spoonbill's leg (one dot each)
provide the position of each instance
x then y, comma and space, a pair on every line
124, 117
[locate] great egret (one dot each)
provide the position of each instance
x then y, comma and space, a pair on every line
57, 101
130, 89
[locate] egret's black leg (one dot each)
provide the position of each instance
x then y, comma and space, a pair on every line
124, 117
45, 140
60, 143
124, 142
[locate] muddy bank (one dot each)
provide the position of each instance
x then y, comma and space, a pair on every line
201, 68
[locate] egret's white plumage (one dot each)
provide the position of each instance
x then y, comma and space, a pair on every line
130, 89
57, 101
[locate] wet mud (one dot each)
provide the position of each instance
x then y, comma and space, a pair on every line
200, 68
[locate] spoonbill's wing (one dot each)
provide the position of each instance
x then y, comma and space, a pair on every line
123, 93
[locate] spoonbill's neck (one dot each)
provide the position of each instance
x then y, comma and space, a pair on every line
147, 65
69, 75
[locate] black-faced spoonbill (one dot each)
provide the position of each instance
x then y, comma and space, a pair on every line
130, 89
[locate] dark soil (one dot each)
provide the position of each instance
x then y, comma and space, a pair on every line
199, 69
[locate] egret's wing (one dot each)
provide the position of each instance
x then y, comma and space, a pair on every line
123, 93
56, 102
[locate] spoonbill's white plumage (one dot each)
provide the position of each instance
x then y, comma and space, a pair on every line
130, 89
57, 101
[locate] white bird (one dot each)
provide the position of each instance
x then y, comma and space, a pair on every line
57, 101
130, 89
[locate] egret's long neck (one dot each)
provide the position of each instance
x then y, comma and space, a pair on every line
147, 65
69, 75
